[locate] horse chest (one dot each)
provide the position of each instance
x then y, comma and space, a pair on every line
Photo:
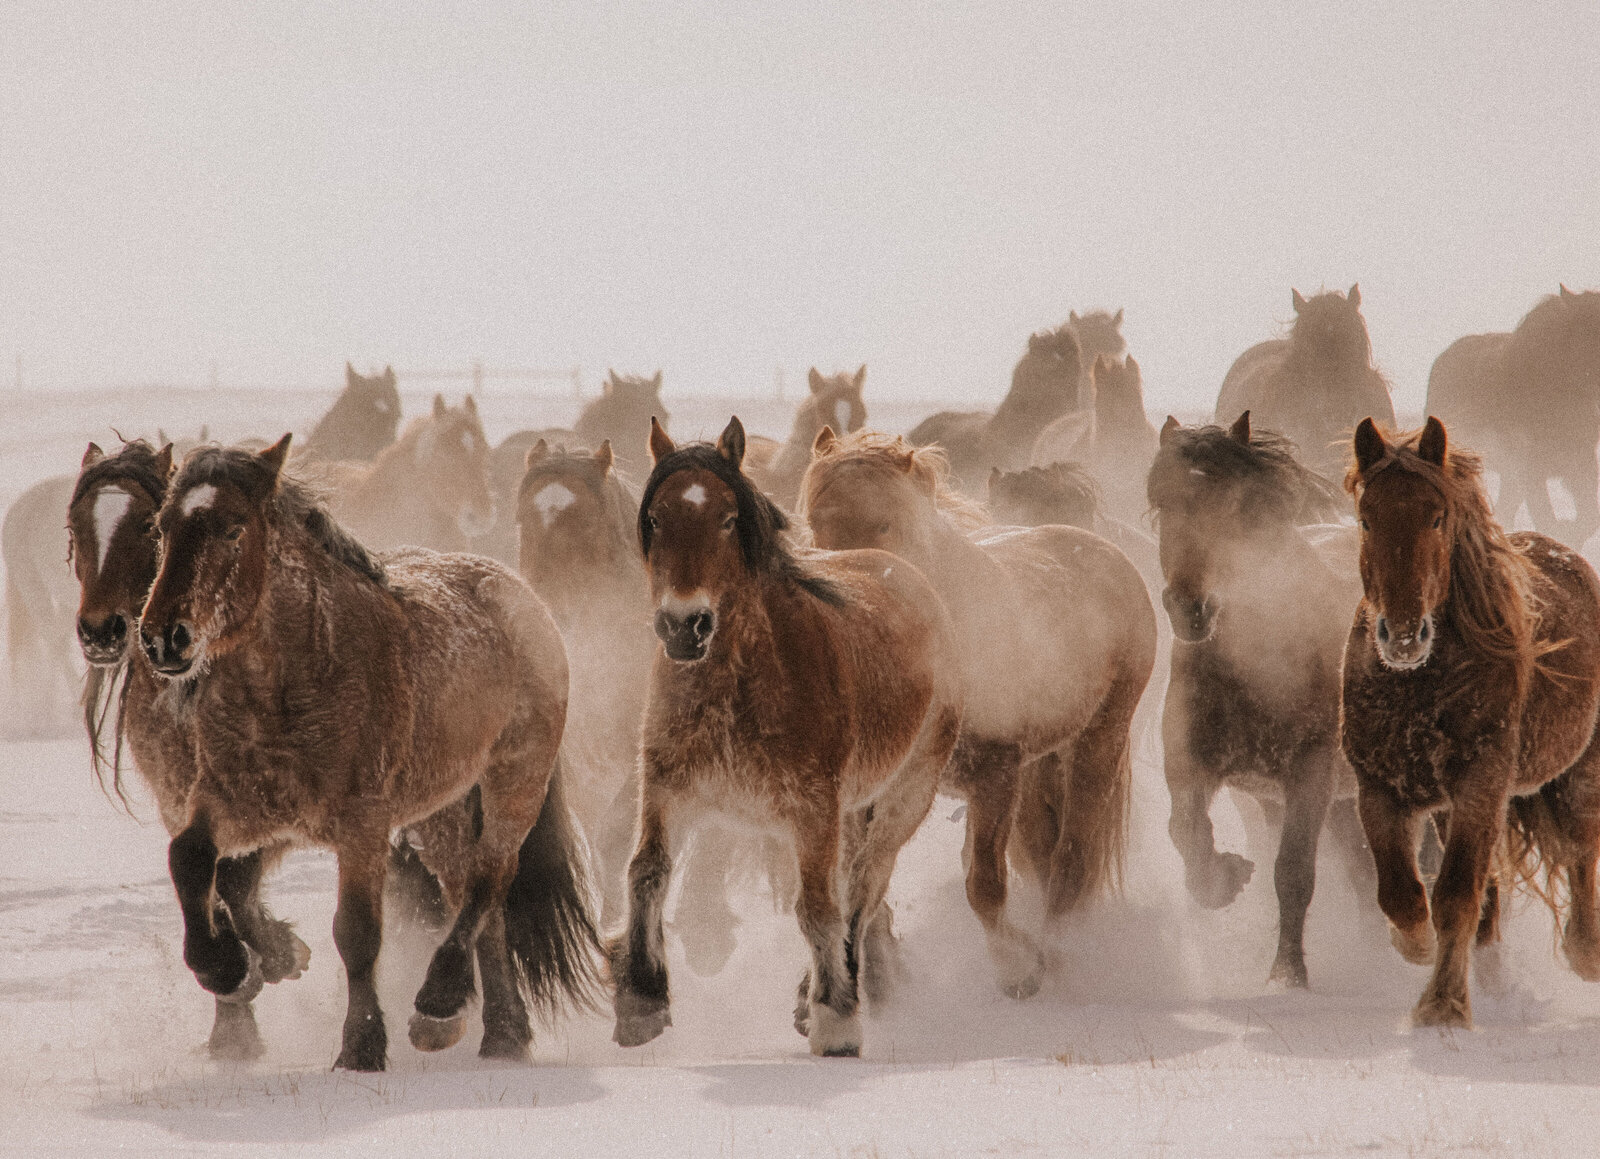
1239, 724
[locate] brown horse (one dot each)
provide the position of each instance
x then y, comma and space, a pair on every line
334, 698
1112, 436
430, 489
628, 403
1471, 679
1530, 401
362, 421
1260, 605
1067, 493
814, 696
1058, 639
1098, 334
835, 400
1044, 386
111, 523
1315, 385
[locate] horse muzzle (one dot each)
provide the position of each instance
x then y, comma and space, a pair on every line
172, 653
686, 635
1403, 646
104, 644
1193, 620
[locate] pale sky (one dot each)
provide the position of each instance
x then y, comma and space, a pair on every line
721, 190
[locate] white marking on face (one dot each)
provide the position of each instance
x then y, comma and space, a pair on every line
841, 415
110, 506
200, 497
551, 499
695, 494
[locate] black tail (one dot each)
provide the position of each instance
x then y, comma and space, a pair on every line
549, 929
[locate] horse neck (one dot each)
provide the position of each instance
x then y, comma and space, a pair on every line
589, 591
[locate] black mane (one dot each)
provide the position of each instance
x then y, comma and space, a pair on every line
1277, 483
761, 522
135, 463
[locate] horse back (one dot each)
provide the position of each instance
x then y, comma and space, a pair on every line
1559, 717
1245, 383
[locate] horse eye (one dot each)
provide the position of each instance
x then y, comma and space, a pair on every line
727, 524
1363, 523
233, 533
883, 529
1438, 522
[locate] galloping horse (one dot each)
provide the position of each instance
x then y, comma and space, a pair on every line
835, 400
362, 421
1471, 679
1260, 605
815, 696
1058, 639
333, 698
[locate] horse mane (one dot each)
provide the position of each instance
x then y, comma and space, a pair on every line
616, 497
289, 499
1492, 597
761, 522
1281, 486
928, 466
1061, 484
135, 463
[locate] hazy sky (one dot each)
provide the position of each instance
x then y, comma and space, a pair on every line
721, 190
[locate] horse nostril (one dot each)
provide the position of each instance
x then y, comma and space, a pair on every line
180, 638
1425, 631
700, 625
117, 629
1383, 630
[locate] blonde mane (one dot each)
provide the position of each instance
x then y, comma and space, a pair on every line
928, 468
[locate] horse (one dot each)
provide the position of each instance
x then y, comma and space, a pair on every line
1471, 689
505, 466
812, 695
835, 400
1044, 386
626, 406
362, 421
1260, 605
1067, 493
1112, 435
40, 597
1098, 333
1530, 401
1314, 385
429, 489
110, 520
333, 697
1058, 639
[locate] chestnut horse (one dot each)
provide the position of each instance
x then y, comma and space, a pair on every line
815, 695
835, 400
430, 489
1260, 605
333, 698
362, 421
1471, 681
1058, 639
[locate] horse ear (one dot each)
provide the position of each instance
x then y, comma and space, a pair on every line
1101, 366
814, 380
1072, 318
730, 443
538, 451
439, 408
350, 375
656, 382
660, 445
1239, 432
1168, 427
388, 374
1299, 302
163, 461
1369, 445
1116, 319
1566, 293
995, 475
272, 458
1431, 446
91, 455
1132, 367
604, 456
609, 383
472, 407
1354, 296
861, 377
824, 441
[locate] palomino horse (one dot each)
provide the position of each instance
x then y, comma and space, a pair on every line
111, 522
1044, 386
628, 403
835, 400
430, 489
1260, 605
1316, 384
1471, 679
817, 696
1057, 643
362, 421
334, 698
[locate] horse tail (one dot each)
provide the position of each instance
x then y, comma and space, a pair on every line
1108, 858
1534, 843
549, 928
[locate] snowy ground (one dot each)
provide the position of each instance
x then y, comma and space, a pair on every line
1156, 1035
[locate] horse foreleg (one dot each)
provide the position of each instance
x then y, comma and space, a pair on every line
991, 806
1392, 833
639, 960
1214, 878
358, 934
221, 961
283, 954
833, 1018
1294, 875
1475, 828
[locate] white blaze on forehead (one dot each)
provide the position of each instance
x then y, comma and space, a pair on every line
841, 415
110, 505
199, 497
551, 499
695, 494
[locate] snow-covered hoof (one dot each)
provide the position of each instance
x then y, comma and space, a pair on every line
1416, 946
234, 1035
1018, 963
1442, 1010
245, 992
834, 1035
431, 1034
1223, 879
1289, 973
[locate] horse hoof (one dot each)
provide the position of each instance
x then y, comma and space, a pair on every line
1289, 975
1414, 948
234, 1036
1228, 875
639, 1028
1446, 1013
502, 1048
843, 1052
363, 1060
835, 1035
1022, 989
254, 980
430, 1033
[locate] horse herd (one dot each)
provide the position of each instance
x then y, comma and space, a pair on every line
505, 687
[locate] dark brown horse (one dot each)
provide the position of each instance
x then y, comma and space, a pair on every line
362, 421
1260, 606
835, 400
1471, 681
1057, 638
815, 696
1044, 386
628, 403
335, 698
1316, 384
1530, 401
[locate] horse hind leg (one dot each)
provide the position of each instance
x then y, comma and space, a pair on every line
358, 935
284, 956
992, 771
